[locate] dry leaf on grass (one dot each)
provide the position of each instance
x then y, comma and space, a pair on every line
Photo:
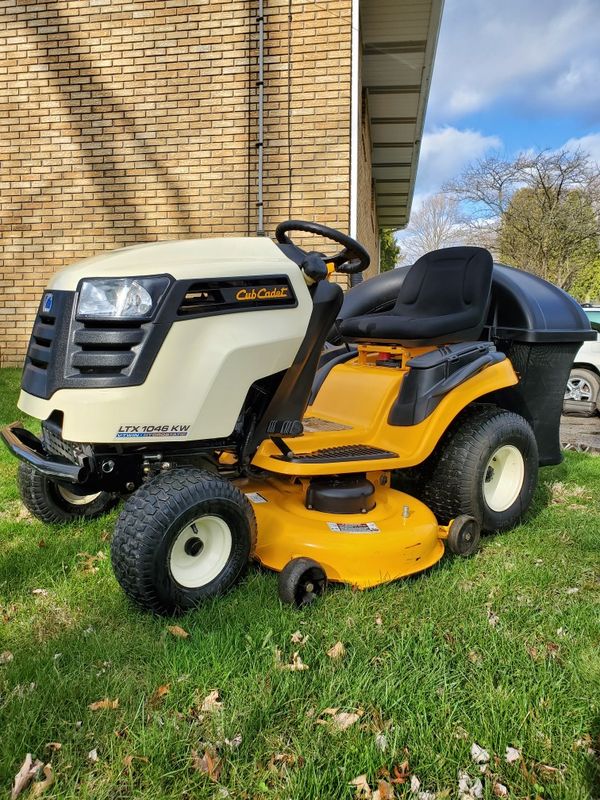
340, 720
479, 755
378, 620
24, 776
499, 790
401, 773
93, 756
40, 787
298, 638
384, 791
281, 762
178, 631
337, 651
40, 592
53, 746
90, 562
363, 790
208, 763
548, 772
100, 705
158, 695
128, 760
6, 657
572, 590
381, 742
469, 788
211, 702
295, 665
512, 755
492, 618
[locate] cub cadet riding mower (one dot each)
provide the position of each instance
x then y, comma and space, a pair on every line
195, 378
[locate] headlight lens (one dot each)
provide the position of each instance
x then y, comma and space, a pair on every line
120, 298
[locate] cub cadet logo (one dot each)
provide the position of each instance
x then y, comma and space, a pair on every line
263, 293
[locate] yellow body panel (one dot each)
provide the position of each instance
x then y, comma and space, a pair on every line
390, 541
358, 397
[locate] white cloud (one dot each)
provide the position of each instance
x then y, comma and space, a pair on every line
589, 144
535, 55
445, 152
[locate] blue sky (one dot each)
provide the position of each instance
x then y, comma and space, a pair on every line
511, 75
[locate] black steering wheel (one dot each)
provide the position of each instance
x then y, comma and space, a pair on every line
352, 259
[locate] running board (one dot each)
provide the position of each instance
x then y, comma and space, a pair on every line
328, 455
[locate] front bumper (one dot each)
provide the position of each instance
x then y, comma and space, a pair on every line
26, 446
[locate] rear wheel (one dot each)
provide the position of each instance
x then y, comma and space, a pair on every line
182, 538
486, 466
52, 502
582, 395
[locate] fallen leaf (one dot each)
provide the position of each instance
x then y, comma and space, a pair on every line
546, 771
499, 790
208, 763
295, 665
6, 657
469, 789
280, 762
340, 720
479, 755
337, 651
378, 620
177, 630
426, 796
40, 787
24, 776
93, 756
158, 695
381, 742
298, 638
54, 746
553, 649
40, 592
384, 791
128, 760
363, 790
572, 590
492, 618
415, 784
211, 702
512, 755
474, 657
401, 773
234, 743
90, 562
100, 705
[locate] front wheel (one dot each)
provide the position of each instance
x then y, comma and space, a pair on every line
52, 502
486, 467
182, 538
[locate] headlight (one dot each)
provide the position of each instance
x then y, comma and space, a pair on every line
120, 298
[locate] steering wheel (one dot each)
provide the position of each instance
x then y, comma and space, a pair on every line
352, 259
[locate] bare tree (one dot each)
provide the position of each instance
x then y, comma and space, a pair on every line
543, 209
437, 223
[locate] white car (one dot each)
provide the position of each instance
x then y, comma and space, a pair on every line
582, 395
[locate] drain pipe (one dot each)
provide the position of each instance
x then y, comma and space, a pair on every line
260, 229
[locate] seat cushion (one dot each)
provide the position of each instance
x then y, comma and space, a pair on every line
444, 299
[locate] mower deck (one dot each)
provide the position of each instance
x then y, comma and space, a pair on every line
399, 537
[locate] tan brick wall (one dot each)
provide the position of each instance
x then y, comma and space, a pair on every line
124, 122
367, 223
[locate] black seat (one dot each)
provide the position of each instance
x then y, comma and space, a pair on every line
443, 299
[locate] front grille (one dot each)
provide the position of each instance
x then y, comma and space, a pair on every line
108, 349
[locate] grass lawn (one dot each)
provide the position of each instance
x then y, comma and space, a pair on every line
500, 650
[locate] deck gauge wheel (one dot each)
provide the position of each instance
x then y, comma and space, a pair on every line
301, 582
464, 535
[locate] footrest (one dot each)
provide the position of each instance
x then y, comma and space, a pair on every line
347, 452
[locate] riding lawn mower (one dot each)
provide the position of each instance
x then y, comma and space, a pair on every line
245, 409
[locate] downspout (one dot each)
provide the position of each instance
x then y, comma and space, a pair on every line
260, 228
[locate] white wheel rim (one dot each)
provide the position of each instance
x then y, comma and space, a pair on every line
578, 389
503, 477
200, 552
77, 499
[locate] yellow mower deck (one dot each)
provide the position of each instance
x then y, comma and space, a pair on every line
399, 537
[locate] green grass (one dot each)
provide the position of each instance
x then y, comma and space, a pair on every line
434, 675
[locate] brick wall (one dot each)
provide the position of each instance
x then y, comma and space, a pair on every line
125, 122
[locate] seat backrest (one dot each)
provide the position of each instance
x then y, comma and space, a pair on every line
449, 281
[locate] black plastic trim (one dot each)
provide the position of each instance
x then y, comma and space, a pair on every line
434, 374
27, 447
